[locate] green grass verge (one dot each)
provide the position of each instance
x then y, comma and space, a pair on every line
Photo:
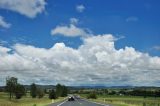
127, 100
26, 101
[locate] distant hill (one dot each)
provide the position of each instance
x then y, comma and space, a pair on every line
91, 87
41, 86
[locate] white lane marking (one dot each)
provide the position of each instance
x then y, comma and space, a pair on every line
78, 101
62, 103
96, 102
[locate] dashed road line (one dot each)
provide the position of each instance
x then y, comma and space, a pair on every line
62, 103
78, 101
96, 102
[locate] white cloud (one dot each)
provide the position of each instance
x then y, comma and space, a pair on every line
96, 61
70, 31
3, 23
4, 50
29, 8
80, 8
132, 19
74, 20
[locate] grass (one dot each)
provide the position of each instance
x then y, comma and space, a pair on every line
25, 101
127, 100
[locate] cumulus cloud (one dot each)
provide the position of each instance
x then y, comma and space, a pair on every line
70, 31
29, 8
4, 50
80, 8
3, 23
96, 61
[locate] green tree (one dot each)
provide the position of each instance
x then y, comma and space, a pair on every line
157, 93
45, 91
11, 83
59, 90
40, 93
33, 90
19, 91
105, 91
112, 93
64, 91
52, 94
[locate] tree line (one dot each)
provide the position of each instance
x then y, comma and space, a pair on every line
121, 92
17, 90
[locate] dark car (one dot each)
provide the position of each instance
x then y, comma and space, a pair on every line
71, 98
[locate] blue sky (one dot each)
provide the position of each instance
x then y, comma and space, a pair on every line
132, 23
108, 16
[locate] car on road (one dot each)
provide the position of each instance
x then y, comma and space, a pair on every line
71, 98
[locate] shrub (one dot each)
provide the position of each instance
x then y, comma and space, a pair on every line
19, 91
92, 96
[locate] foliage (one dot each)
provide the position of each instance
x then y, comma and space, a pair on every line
33, 90
20, 91
92, 96
40, 93
61, 90
157, 93
64, 91
112, 93
11, 83
58, 90
52, 94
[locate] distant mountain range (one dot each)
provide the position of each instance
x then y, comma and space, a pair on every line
90, 87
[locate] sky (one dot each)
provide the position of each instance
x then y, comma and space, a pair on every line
80, 42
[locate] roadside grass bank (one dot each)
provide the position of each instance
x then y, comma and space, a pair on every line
126, 100
26, 100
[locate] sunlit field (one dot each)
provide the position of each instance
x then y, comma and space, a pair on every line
25, 101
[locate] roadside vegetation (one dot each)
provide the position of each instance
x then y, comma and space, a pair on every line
16, 94
123, 97
128, 101
26, 100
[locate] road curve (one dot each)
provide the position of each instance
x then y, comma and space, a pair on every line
78, 102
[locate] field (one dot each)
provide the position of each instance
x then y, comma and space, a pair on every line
127, 100
25, 101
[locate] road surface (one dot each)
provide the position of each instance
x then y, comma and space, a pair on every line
78, 102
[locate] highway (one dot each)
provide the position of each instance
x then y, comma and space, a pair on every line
78, 102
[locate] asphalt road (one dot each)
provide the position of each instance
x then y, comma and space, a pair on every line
77, 102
